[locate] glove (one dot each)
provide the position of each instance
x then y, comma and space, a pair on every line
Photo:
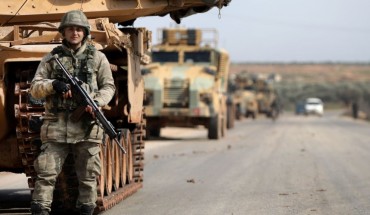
60, 87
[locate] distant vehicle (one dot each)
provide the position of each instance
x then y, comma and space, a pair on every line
267, 97
314, 106
245, 96
300, 108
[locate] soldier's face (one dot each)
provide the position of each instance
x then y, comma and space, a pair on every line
74, 35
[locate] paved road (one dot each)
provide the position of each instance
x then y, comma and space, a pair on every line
296, 165
14, 194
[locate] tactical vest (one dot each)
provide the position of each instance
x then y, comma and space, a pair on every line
82, 67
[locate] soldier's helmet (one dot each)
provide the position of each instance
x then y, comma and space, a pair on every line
75, 18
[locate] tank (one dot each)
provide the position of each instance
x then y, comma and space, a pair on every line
28, 31
186, 83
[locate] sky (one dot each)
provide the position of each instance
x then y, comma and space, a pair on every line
284, 30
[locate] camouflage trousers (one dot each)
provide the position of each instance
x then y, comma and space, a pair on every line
49, 164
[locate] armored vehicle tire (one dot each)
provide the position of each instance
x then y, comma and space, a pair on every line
155, 132
107, 165
274, 114
230, 118
238, 113
214, 127
130, 161
252, 114
223, 125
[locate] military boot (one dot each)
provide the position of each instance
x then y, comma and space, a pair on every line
36, 209
87, 209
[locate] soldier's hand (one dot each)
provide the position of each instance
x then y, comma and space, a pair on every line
60, 87
90, 110
67, 94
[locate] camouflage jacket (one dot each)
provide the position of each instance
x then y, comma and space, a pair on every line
57, 126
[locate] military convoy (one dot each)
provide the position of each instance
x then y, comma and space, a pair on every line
29, 30
253, 95
186, 82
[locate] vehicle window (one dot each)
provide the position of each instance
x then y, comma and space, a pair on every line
165, 57
313, 103
249, 88
197, 57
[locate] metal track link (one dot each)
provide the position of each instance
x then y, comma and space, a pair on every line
115, 197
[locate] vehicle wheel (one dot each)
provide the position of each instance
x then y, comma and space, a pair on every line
123, 160
130, 162
155, 132
246, 114
230, 116
238, 113
108, 165
223, 125
274, 114
116, 165
101, 178
254, 115
214, 127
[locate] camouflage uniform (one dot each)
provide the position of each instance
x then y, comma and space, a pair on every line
59, 134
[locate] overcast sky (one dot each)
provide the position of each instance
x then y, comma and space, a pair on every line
285, 30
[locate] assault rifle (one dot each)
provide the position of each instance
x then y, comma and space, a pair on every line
87, 100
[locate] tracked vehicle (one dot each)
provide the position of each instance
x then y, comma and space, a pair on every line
28, 31
187, 82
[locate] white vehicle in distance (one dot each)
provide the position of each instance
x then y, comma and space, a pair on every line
314, 106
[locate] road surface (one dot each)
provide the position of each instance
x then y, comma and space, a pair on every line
296, 165
14, 194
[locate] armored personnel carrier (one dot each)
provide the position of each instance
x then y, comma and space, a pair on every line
28, 30
245, 96
186, 83
267, 97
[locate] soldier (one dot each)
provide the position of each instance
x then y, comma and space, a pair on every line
60, 134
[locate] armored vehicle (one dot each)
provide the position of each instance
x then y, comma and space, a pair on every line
245, 96
186, 83
29, 30
267, 97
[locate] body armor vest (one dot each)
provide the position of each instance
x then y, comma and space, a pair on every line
82, 67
